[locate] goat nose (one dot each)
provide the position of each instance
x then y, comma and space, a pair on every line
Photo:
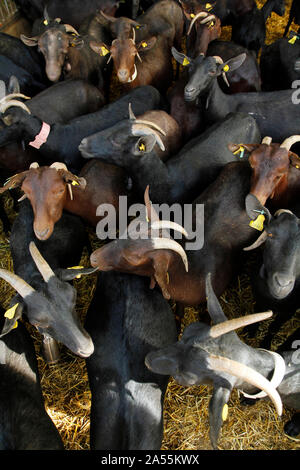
123, 75
283, 280
41, 234
83, 143
189, 90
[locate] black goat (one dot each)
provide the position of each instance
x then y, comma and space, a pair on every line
216, 356
126, 321
278, 63
24, 422
182, 177
277, 285
63, 139
249, 30
48, 301
277, 113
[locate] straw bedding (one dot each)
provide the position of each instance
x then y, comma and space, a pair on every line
65, 385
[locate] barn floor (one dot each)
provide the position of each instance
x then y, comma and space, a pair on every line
66, 390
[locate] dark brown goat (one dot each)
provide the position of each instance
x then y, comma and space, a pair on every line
52, 189
149, 39
275, 172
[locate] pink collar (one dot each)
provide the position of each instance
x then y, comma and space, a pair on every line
42, 136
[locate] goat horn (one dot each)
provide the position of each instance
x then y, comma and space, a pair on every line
151, 213
22, 198
131, 113
218, 59
168, 224
231, 325
207, 19
59, 166
150, 124
139, 130
282, 211
201, 14
34, 165
169, 244
267, 140
247, 374
17, 283
133, 35
4, 106
70, 191
70, 29
107, 17
261, 239
14, 95
40, 262
287, 143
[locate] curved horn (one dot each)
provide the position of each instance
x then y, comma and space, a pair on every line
108, 17
282, 211
133, 35
201, 14
207, 19
139, 130
150, 124
261, 239
246, 374
231, 325
34, 165
267, 140
9, 104
14, 95
287, 143
131, 113
169, 244
59, 166
218, 59
70, 29
168, 224
40, 262
17, 283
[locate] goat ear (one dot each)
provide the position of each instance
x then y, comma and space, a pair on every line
232, 64
213, 305
145, 144
180, 57
13, 86
218, 411
76, 41
29, 41
14, 181
164, 362
72, 179
294, 160
100, 48
236, 147
254, 206
11, 321
74, 272
146, 45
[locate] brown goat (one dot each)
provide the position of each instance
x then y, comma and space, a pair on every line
275, 171
53, 189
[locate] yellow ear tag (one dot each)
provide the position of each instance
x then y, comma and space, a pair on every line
15, 325
74, 183
297, 166
45, 22
144, 44
10, 313
258, 223
210, 26
293, 40
142, 147
225, 412
104, 50
137, 27
185, 62
192, 15
208, 6
240, 150
77, 267
226, 68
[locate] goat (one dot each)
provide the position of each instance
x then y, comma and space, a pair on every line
62, 140
163, 23
50, 190
276, 285
181, 178
215, 355
24, 422
126, 321
43, 293
275, 112
182, 278
278, 63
